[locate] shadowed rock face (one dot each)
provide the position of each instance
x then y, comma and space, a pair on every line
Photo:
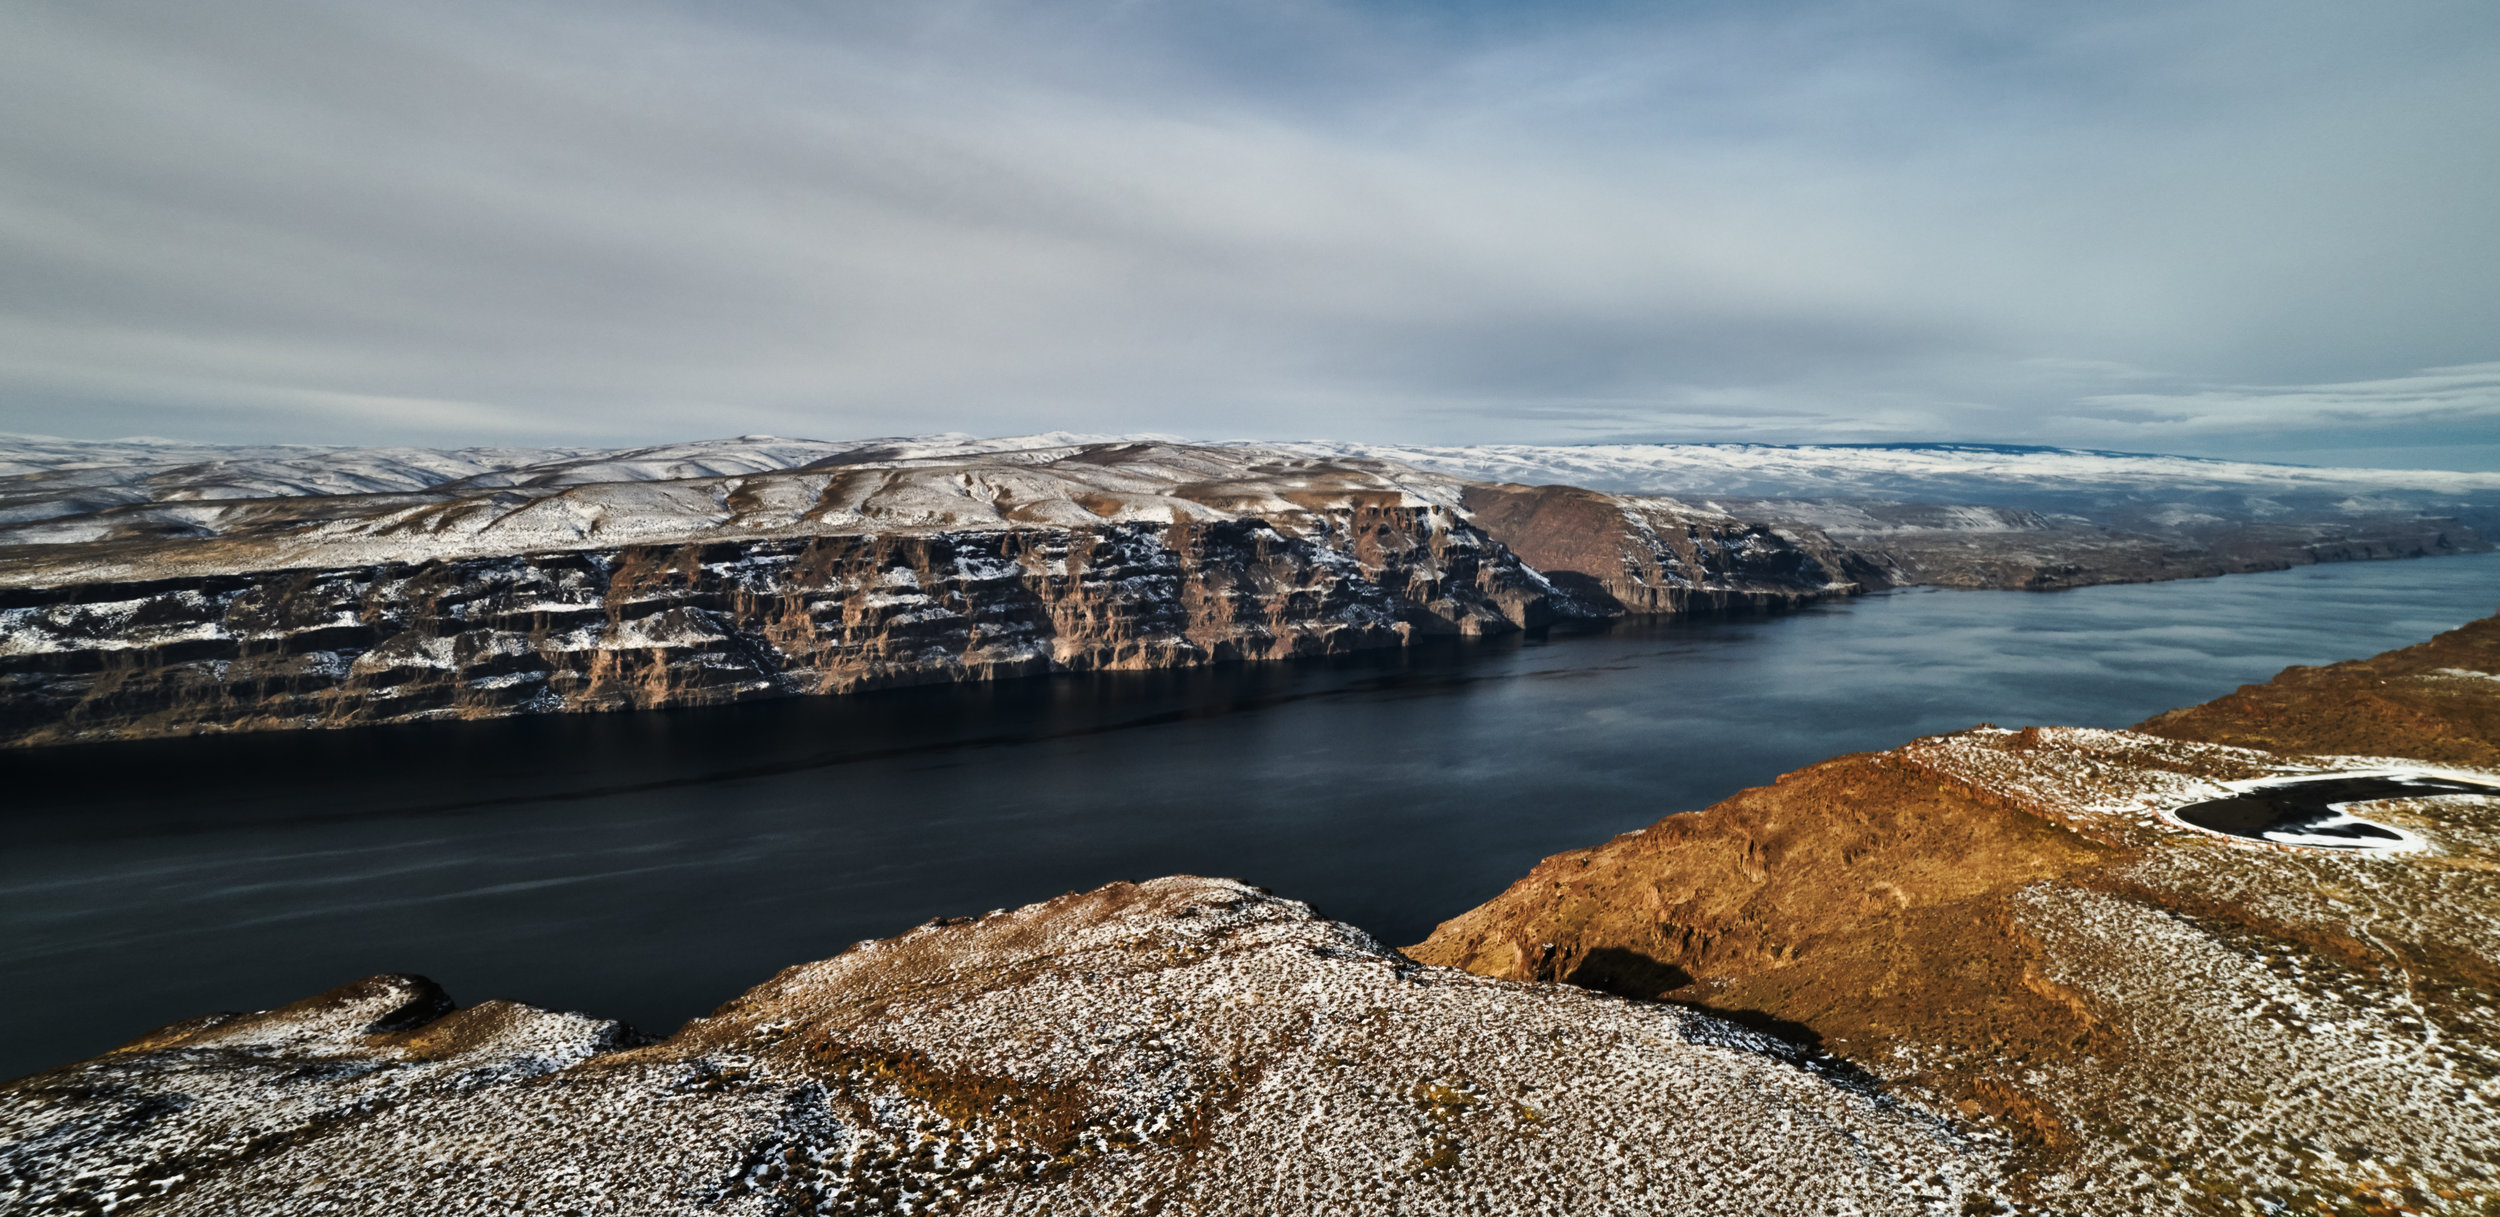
726, 621
1184, 1045
152, 590
511, 591
1656, 555
2005, 922
1970, 546
515, 594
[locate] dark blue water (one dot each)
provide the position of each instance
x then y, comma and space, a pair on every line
652, 866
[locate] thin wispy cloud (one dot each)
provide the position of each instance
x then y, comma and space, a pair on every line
2468, 395
1434, 223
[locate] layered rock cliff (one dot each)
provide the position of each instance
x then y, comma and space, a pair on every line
522, 591
1179, 1046
1649, 554
702, 624
151, 590
1969, 546
2019, 925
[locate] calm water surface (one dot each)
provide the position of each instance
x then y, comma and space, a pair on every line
652, 866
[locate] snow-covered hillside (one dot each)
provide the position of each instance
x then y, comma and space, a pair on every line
139, 510
324, 506
42, 477
1953, 473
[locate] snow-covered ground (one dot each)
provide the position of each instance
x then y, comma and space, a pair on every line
1935, 472
1183, 1045
42, 477
36, 471
135, 510
388, 504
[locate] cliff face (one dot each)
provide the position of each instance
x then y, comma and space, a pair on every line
1658, 555
2165, 1020
1179, 1046
1654, 554
1966, 546
277, 594
707, 623
152, 592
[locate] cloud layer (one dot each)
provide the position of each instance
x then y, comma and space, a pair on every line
2224, 226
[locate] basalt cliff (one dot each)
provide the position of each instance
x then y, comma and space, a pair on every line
211, 598
150, 590
2014, 516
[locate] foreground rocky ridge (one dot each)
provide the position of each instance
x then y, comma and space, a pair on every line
2005, 923
1179, 1046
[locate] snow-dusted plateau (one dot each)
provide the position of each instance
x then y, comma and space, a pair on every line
158, 589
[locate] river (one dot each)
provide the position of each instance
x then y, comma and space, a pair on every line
652, 866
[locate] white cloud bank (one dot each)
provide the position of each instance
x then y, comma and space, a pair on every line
446, 222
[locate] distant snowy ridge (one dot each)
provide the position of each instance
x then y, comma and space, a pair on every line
1879, 470
160, 510
1705, 468
42, 476
96, 474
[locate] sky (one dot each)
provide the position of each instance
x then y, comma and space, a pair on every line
2264, 229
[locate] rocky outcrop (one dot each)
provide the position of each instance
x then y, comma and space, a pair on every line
1645, 554
709, 623
1975, 547
178, 602
165, 590
2009, 923
1178, 1046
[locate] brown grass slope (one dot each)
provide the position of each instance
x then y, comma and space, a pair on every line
2435, 701
1965, 917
